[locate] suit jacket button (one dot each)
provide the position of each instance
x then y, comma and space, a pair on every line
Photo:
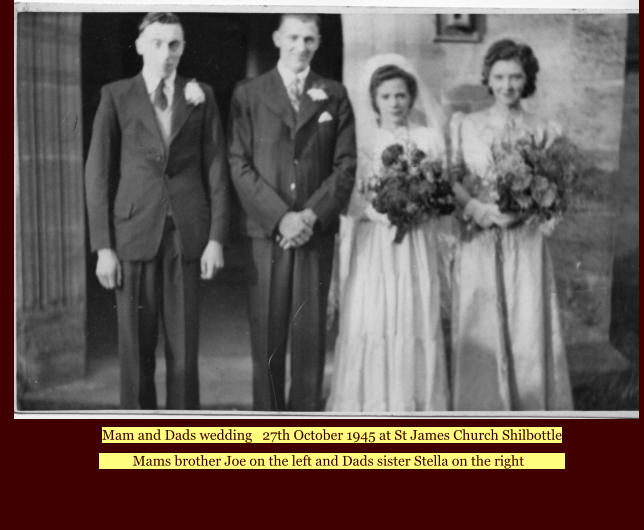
296, 161
292, 186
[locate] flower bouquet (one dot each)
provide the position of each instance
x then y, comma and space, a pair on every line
409, 188
533, 179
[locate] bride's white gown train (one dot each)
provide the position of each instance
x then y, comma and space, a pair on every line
389, 354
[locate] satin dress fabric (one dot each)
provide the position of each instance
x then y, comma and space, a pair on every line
507, 343
389, 353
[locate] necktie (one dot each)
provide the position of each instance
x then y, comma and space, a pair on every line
160, 99
294, 94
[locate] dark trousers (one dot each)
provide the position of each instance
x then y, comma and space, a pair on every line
165, 287
287, 297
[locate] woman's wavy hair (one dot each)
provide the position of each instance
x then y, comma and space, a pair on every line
507, 50
388, 72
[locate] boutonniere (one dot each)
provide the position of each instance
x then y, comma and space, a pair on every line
193, 93
317, 93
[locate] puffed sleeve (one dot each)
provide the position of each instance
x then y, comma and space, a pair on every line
456, 138
458, 124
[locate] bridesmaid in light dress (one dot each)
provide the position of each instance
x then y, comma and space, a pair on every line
508, 348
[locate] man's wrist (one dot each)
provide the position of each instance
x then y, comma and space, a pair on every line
310, 217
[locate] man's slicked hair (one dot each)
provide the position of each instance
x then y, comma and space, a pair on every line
304, 17
161, 18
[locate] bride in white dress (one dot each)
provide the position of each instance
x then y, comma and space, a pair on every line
389, 354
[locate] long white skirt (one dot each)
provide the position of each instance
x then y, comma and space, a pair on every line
389, 354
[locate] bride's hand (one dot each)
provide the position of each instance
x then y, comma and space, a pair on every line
505, 220
377, 217
483, 214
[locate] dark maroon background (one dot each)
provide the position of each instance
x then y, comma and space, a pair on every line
54, 466
50, 467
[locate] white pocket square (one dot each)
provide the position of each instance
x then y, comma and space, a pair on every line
325, 116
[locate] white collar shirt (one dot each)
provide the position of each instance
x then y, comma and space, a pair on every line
288, 76
152, 82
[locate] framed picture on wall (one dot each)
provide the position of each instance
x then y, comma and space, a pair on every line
459, 28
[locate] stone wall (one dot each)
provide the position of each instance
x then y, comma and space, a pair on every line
581, 85
582, 64
625, 295
50, 226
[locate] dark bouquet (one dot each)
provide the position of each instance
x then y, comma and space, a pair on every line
410, 187
533, 179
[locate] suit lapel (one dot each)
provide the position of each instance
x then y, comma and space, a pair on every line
180, 108
276, 99
144, 109
308, 107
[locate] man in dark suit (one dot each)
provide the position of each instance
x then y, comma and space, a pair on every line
157, 203
292, 157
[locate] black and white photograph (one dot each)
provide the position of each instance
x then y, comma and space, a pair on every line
236, 210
